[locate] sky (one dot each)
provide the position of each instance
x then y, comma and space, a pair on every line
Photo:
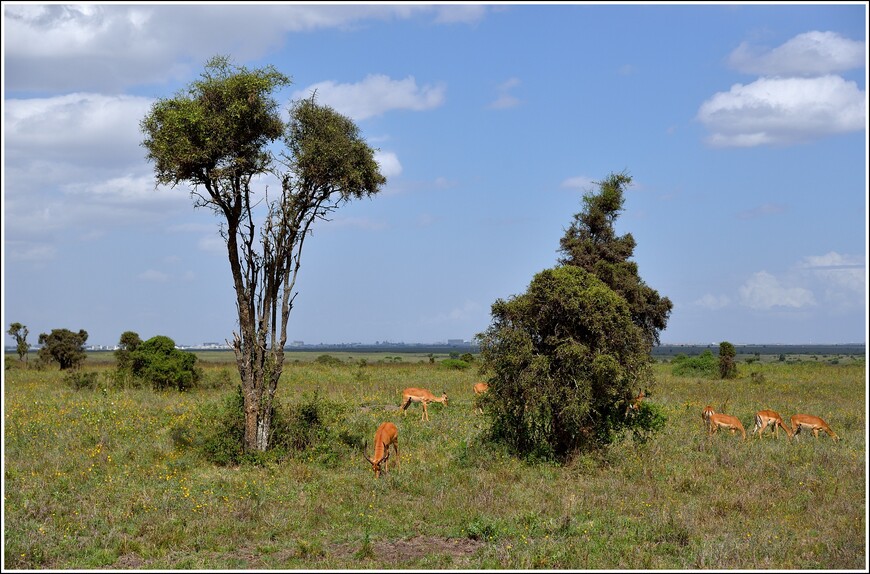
743, 128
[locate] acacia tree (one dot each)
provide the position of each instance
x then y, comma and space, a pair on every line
215, 137
592, 244
64, 347
19, 332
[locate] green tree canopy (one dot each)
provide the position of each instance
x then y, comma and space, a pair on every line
128, 343
591, 243
565, 357
19, 332
163, 366
64, 347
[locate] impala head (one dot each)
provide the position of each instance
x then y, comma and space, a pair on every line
708, 412
377, 465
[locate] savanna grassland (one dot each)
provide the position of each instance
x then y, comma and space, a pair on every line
100, 479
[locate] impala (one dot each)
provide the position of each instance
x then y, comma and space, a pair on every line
386, 435
634, 405
422, 396
714, 421
768, 418
706, 414
479, 389
811, 423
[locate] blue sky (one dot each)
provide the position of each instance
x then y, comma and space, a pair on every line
744, 128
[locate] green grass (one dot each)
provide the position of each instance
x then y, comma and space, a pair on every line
93, 479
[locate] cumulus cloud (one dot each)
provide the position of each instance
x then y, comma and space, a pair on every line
764, 291
783, 111
375, 95
799, 97
93, 129
102, 47
810, 54
389, 164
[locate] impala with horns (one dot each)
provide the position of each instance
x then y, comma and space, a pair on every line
386, 435
811, 423
422, 396
714, 421
768, 418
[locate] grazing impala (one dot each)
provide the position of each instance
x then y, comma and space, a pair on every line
768, 418
422, 396
479, 389
714, 421
386, 435
811, 423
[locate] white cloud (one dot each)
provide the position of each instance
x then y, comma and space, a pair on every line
810, 54
29, 251
506, 100
389, 164
764, 291
375, 95
714, 302
78, 128
105, 47
837, 271
783, 111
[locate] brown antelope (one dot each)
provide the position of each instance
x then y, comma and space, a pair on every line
634, 405
422, 396
714, 421
479, 389
386, 435
811, 423
768, 418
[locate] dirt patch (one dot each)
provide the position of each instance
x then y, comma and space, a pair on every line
413, 548
382, 551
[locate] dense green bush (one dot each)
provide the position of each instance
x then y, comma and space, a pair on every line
158, 362
458, 364
704, 365
565, 359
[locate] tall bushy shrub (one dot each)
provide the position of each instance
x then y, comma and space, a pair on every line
163, 366
565, 357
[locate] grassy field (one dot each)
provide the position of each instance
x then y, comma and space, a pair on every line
94, 479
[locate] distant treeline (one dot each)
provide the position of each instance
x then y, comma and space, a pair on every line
691, 350
662, 351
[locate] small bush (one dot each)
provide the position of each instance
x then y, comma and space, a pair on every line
457, 364
79, 380
329, 361
646, 421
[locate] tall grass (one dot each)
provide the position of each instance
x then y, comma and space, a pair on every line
95, 479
